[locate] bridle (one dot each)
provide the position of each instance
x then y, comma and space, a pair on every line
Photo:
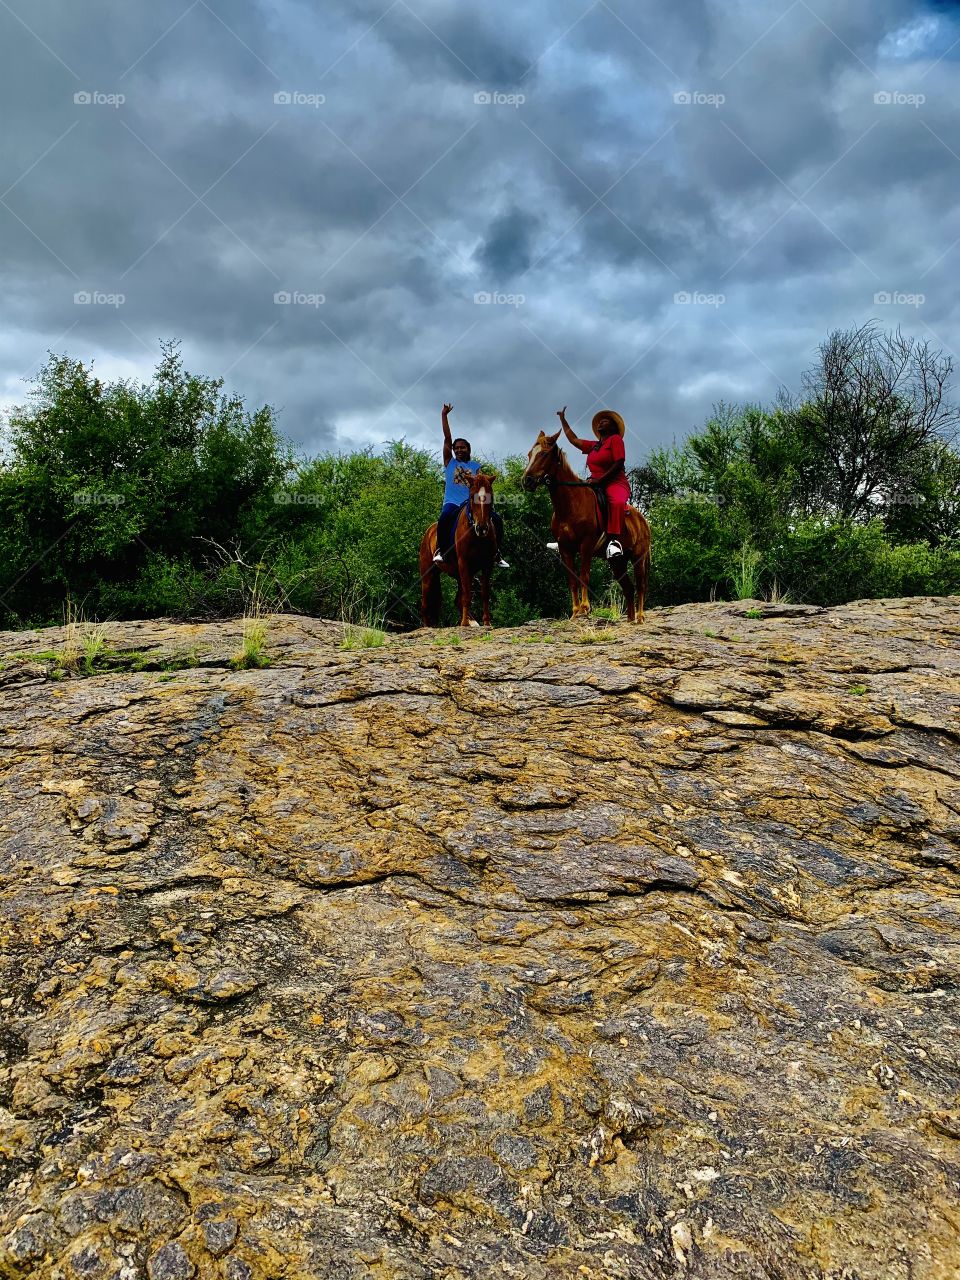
480, 531
550, 481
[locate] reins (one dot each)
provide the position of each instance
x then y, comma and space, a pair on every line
549, 480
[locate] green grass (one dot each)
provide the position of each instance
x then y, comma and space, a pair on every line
360, 637
362, 625
252, 654
858, 690
82, 650
776, 595
590, 636
745, 573
94, 646
754, 613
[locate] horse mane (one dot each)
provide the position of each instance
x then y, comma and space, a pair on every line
564, 465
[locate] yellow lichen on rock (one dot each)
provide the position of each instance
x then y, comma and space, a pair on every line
625, 959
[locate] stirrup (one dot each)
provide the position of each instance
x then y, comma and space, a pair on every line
614, 549
438, 558
502, 564
553, 546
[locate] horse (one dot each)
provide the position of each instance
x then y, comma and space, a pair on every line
475, 549
578, 528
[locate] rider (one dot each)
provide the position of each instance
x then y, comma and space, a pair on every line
605, 460
457, 462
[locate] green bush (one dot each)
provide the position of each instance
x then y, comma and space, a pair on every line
831, 563
170, 498
691, 550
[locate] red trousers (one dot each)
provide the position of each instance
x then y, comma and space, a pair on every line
618, 495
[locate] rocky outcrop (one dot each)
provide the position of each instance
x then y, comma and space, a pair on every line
570, 951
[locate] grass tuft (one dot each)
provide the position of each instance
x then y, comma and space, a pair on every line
745, 573
360, 637
252, 654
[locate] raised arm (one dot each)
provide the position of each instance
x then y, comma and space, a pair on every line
583, 445
447, 437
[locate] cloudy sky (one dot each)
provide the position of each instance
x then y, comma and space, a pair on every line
512, 207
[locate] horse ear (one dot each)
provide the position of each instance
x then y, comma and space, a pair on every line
554, 438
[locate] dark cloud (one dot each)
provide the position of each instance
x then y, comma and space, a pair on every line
591, 161
508, 246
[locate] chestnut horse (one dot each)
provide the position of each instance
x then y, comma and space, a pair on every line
577, 528
475, 549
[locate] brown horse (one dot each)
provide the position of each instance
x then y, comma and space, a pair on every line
577, 528
475, 549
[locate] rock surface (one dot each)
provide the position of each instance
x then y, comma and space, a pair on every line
571, 951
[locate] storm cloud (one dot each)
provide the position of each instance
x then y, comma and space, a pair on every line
358, 213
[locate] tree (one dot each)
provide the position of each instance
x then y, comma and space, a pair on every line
872, 401
104, 479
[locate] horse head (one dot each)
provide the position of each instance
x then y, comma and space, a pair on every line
540, 460
481, 502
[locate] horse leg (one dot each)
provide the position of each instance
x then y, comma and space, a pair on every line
427, 599
586, 555
641, 569
466, 589
485, 593
429, 581
572, 581
622, 575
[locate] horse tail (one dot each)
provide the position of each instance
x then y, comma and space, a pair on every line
430, 591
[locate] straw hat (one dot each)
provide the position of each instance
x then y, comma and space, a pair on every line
613, 416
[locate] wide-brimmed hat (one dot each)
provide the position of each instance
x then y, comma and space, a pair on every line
613, 416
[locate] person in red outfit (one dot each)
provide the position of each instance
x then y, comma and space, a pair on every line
606, 458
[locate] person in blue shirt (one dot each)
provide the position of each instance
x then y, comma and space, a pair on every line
456, 463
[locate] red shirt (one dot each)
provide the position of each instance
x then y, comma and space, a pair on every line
603, 455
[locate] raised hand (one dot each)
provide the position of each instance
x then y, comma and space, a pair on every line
562, 413
447, 408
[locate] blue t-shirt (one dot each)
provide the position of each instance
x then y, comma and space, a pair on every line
454, 492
